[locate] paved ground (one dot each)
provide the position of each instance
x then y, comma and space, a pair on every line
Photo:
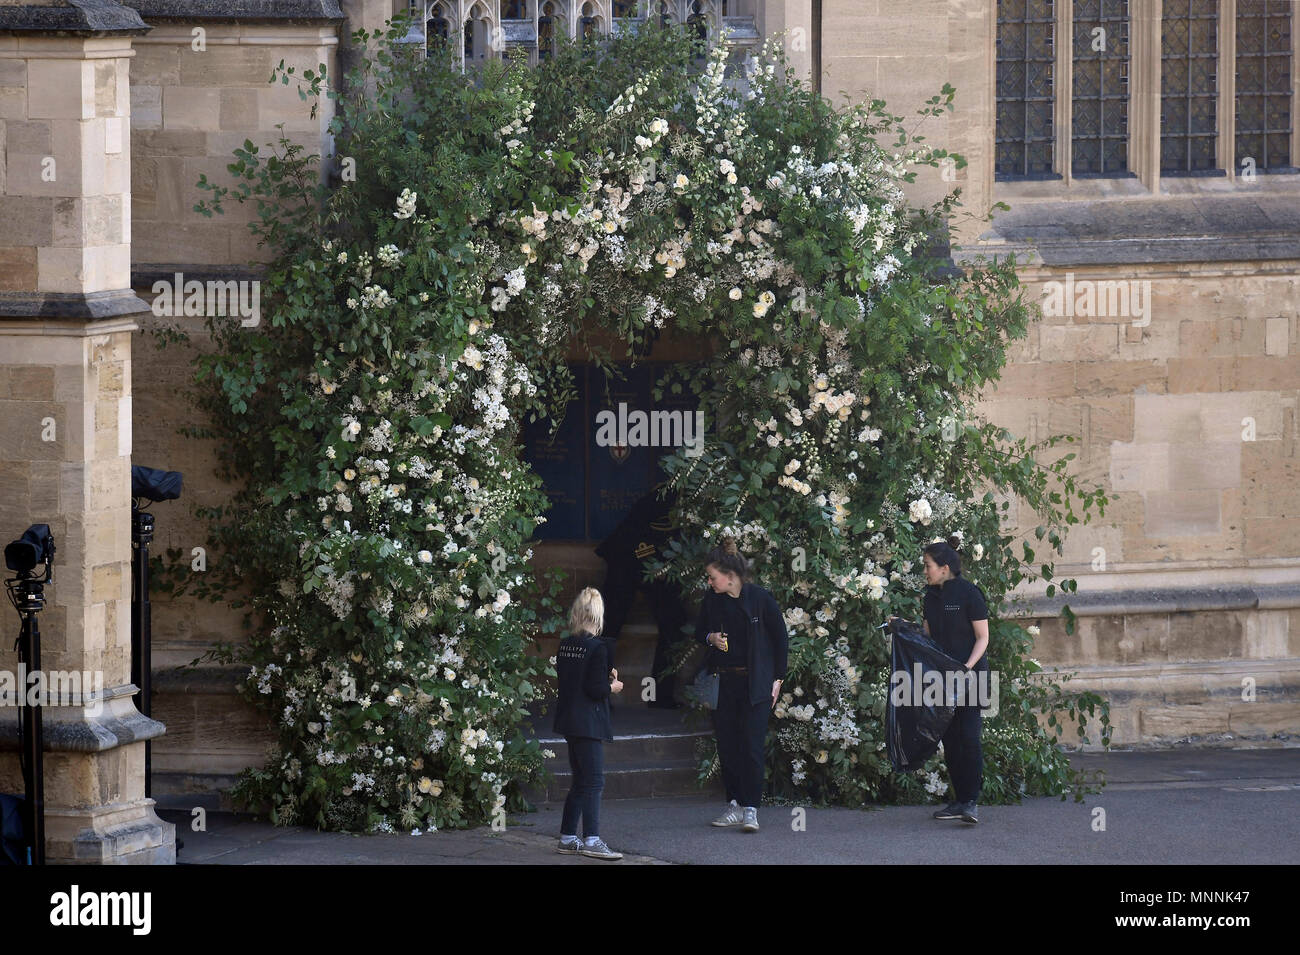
1190, 806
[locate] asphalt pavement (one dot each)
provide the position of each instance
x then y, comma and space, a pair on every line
1170, 807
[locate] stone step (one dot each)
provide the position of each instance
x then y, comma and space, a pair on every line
652, 754
666, 778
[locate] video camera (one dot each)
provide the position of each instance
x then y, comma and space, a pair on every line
36, 546
155, 485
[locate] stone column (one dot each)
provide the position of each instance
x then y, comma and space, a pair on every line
66, 310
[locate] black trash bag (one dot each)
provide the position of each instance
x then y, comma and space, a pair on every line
13, 830
913, 731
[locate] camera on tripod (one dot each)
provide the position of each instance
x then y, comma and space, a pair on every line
36, 546
27, 594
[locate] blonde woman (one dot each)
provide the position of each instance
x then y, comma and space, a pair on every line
582, 718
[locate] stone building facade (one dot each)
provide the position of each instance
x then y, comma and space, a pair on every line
1154, 203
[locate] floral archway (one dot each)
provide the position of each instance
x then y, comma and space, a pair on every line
422, 313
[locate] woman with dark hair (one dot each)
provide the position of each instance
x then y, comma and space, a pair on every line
745, 631
957, 619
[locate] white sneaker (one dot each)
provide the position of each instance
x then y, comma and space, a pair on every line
734, 816
598, 850
751, 820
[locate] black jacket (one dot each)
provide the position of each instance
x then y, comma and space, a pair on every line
768, 640
582, 665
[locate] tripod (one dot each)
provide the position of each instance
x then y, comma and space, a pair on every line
142, 626
28, 597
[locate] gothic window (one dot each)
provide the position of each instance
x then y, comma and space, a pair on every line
588, 23
1264, 99
1025, 65
437, 29
698, 24
1189, 89
546, 31
514, 10
624, 9
1099, 120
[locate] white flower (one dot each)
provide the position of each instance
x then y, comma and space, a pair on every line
425, 557
919, 510
405, 205
681, 182
1033, 631
726, 167
821, 756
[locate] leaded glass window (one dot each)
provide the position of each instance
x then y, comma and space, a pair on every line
437, 29
1189, 89
1099, 134
514, 10
1264, 83
1025, 65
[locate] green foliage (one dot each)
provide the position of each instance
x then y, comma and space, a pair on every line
420, 311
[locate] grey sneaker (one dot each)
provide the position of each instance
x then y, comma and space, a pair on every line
598, 850
968, 813
950, 811
751, 820
568, 847
732, 817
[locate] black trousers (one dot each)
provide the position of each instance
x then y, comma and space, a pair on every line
741, 730
622, 581
587, 760
962, 753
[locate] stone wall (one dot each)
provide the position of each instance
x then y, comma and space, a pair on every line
66, 412
1158, 408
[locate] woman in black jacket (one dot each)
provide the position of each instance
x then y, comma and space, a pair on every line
745, 631
582, 718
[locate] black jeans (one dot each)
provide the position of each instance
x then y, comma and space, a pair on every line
741, 729
587, 760
962, 753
